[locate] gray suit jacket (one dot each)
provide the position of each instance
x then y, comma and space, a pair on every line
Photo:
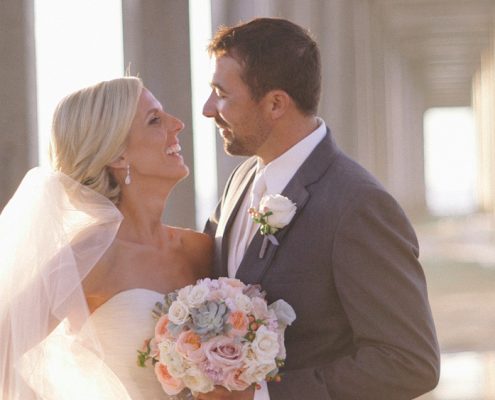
348, 265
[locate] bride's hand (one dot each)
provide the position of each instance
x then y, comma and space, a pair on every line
220, 393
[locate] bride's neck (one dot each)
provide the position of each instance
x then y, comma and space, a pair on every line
142, 217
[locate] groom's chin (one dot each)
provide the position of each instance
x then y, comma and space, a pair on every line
233, 149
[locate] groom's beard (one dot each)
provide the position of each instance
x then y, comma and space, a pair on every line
244, 141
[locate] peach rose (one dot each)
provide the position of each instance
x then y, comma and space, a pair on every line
161, 328
170, 385
239, 322
189, 346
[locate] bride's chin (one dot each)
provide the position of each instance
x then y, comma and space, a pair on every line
178, 174
183, 171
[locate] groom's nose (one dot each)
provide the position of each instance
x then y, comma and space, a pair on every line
209, 108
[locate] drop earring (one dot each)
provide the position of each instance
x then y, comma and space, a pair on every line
127, 179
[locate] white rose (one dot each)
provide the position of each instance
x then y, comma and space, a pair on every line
176, 364
283, 311
260, 309
178, 312
265, 345
196, 381
256, 372
164, 348
282, 208
243, 303
282, 353
183, 293
197, 296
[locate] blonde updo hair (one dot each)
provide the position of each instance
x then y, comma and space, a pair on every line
90, 129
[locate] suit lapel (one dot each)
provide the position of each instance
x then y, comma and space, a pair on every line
253, 268
233, 202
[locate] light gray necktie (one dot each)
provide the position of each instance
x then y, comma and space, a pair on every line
258, 189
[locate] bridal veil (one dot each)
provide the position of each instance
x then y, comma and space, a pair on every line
52, 232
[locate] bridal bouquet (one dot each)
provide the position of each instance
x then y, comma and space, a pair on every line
217, 332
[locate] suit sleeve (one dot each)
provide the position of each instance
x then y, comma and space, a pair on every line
212, 223
210, 229
382, 289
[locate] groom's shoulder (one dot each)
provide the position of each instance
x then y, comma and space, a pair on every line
337, 168
243, 168
246, 166
239, 174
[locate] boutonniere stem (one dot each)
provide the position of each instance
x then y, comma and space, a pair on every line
264, 245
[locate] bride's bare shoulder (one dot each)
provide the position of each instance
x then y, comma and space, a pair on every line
199, 248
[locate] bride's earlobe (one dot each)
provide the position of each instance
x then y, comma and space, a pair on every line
119, 163
120, 169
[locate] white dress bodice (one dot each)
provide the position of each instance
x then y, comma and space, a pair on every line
122, 324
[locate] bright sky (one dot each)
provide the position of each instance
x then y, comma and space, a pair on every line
450, 160
78, 43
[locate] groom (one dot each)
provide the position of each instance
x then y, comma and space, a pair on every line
346, 261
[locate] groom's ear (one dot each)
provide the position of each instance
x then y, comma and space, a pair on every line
278, 102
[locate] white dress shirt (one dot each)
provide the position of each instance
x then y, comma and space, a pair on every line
277, 175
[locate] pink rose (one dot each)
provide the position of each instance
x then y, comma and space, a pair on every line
225, 292
254, 291
260, 308
222, 351
211, 284
189, 346
216, 295
230, 287
161, 329
215, 373
170, 385
236, 283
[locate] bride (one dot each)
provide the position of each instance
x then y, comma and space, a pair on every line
85, 256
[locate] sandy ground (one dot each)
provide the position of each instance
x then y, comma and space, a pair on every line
458, 257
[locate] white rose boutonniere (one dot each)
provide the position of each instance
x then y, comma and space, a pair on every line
274, 213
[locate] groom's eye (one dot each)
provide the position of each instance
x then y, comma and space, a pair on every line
219, 94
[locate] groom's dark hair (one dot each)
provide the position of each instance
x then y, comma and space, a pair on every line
274, 54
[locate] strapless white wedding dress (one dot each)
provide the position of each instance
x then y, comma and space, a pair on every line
122, 324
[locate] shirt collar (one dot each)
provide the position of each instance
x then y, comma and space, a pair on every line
280, 171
